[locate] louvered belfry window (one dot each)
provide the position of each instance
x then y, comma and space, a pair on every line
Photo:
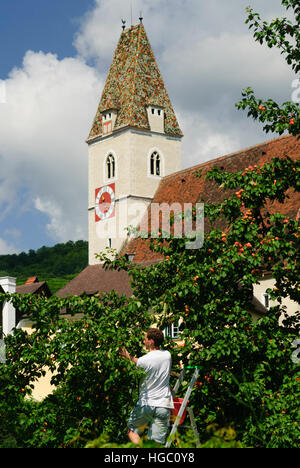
111, 166
155, 168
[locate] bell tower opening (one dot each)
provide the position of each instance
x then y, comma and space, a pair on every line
110, 167
155, 164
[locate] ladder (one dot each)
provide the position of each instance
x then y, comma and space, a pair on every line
184, 407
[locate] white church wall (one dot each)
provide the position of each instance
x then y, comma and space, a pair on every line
133, 184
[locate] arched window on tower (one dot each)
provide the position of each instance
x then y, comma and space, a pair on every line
111, 167
155, 164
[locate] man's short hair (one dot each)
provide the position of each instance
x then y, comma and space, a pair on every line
156, 335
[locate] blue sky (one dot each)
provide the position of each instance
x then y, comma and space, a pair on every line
54, 61
38, 25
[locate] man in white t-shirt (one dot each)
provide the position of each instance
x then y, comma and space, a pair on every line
155, 399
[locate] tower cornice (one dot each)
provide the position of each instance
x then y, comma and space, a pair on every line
117, 132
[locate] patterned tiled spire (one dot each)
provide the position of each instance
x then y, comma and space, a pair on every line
134, 82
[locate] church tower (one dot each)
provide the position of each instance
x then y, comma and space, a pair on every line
135, 140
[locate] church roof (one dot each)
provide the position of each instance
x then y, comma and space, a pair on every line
134, 82
185, 187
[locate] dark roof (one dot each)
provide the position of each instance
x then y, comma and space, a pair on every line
34, 288
95, 279
185, 187
133, 83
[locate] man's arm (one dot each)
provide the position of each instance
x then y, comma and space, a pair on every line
125, 354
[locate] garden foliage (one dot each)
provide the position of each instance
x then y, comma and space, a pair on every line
248, 379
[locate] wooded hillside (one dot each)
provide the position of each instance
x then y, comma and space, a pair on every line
56, 265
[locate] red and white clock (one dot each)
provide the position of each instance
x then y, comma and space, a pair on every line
105, 202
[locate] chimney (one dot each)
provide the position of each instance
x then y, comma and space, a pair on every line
8, 285
32, 279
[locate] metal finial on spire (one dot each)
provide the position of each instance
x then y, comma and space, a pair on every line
123, 24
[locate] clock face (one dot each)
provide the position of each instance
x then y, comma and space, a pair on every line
105, 202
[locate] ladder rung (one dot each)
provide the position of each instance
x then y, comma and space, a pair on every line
183, 407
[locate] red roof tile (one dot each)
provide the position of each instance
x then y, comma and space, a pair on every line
33, 279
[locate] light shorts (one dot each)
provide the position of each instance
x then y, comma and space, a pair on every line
156, 419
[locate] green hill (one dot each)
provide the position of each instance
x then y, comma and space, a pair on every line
57, 265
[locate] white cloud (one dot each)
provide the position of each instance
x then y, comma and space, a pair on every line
61, 226
43, 126
167, 23
203, 140
6, 248
222, 69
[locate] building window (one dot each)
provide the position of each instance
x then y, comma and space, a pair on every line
152, 164
266, 300
155, 166
111, 167
159, 111
107, 127
130, 257
107, 124
172, 331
